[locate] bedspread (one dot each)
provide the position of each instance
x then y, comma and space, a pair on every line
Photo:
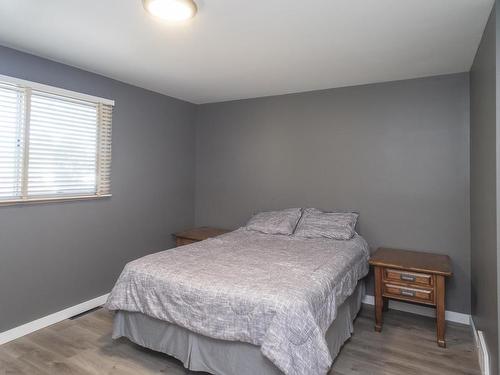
278, 292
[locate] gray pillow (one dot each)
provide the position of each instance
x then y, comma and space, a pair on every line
335, 225
275, 222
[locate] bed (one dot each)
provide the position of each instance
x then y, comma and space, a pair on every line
245, 302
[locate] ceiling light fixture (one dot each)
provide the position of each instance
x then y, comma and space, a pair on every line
171, 10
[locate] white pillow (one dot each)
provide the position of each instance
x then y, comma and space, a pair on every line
335, 225
275, 222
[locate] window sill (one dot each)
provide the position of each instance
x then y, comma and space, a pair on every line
15, 202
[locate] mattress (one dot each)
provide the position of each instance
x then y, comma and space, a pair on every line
201, 353
280, 293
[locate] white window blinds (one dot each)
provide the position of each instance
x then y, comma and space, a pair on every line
54, 144
11, 141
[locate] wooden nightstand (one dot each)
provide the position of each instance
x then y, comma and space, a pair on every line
197, 234
413, 277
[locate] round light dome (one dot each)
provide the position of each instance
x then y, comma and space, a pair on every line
171, 10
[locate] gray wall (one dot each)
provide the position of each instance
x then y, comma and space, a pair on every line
57, 255
483, 202
496, 356
397, 151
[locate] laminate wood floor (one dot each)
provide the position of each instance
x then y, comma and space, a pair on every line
84, 346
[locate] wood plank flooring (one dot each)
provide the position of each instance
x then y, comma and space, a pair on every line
84, 346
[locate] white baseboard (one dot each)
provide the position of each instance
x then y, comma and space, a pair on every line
481, 349
48, 320
451, 316
59, 316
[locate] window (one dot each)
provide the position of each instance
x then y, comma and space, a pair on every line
54, 144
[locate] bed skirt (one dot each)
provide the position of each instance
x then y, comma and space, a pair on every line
201, 353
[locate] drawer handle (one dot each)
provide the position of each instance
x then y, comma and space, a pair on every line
406, 292
407, 277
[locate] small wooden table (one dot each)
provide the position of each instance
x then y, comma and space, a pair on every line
413, 277
197, 234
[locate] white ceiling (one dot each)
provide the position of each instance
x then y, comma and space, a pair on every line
249, 48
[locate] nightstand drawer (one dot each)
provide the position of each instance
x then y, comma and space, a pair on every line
413, 278
411, 294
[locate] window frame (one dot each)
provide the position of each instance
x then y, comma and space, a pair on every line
28, 86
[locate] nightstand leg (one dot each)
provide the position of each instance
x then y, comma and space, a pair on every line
379, 301
386, 304
440, 310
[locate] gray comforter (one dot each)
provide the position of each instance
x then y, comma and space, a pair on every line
278, 292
